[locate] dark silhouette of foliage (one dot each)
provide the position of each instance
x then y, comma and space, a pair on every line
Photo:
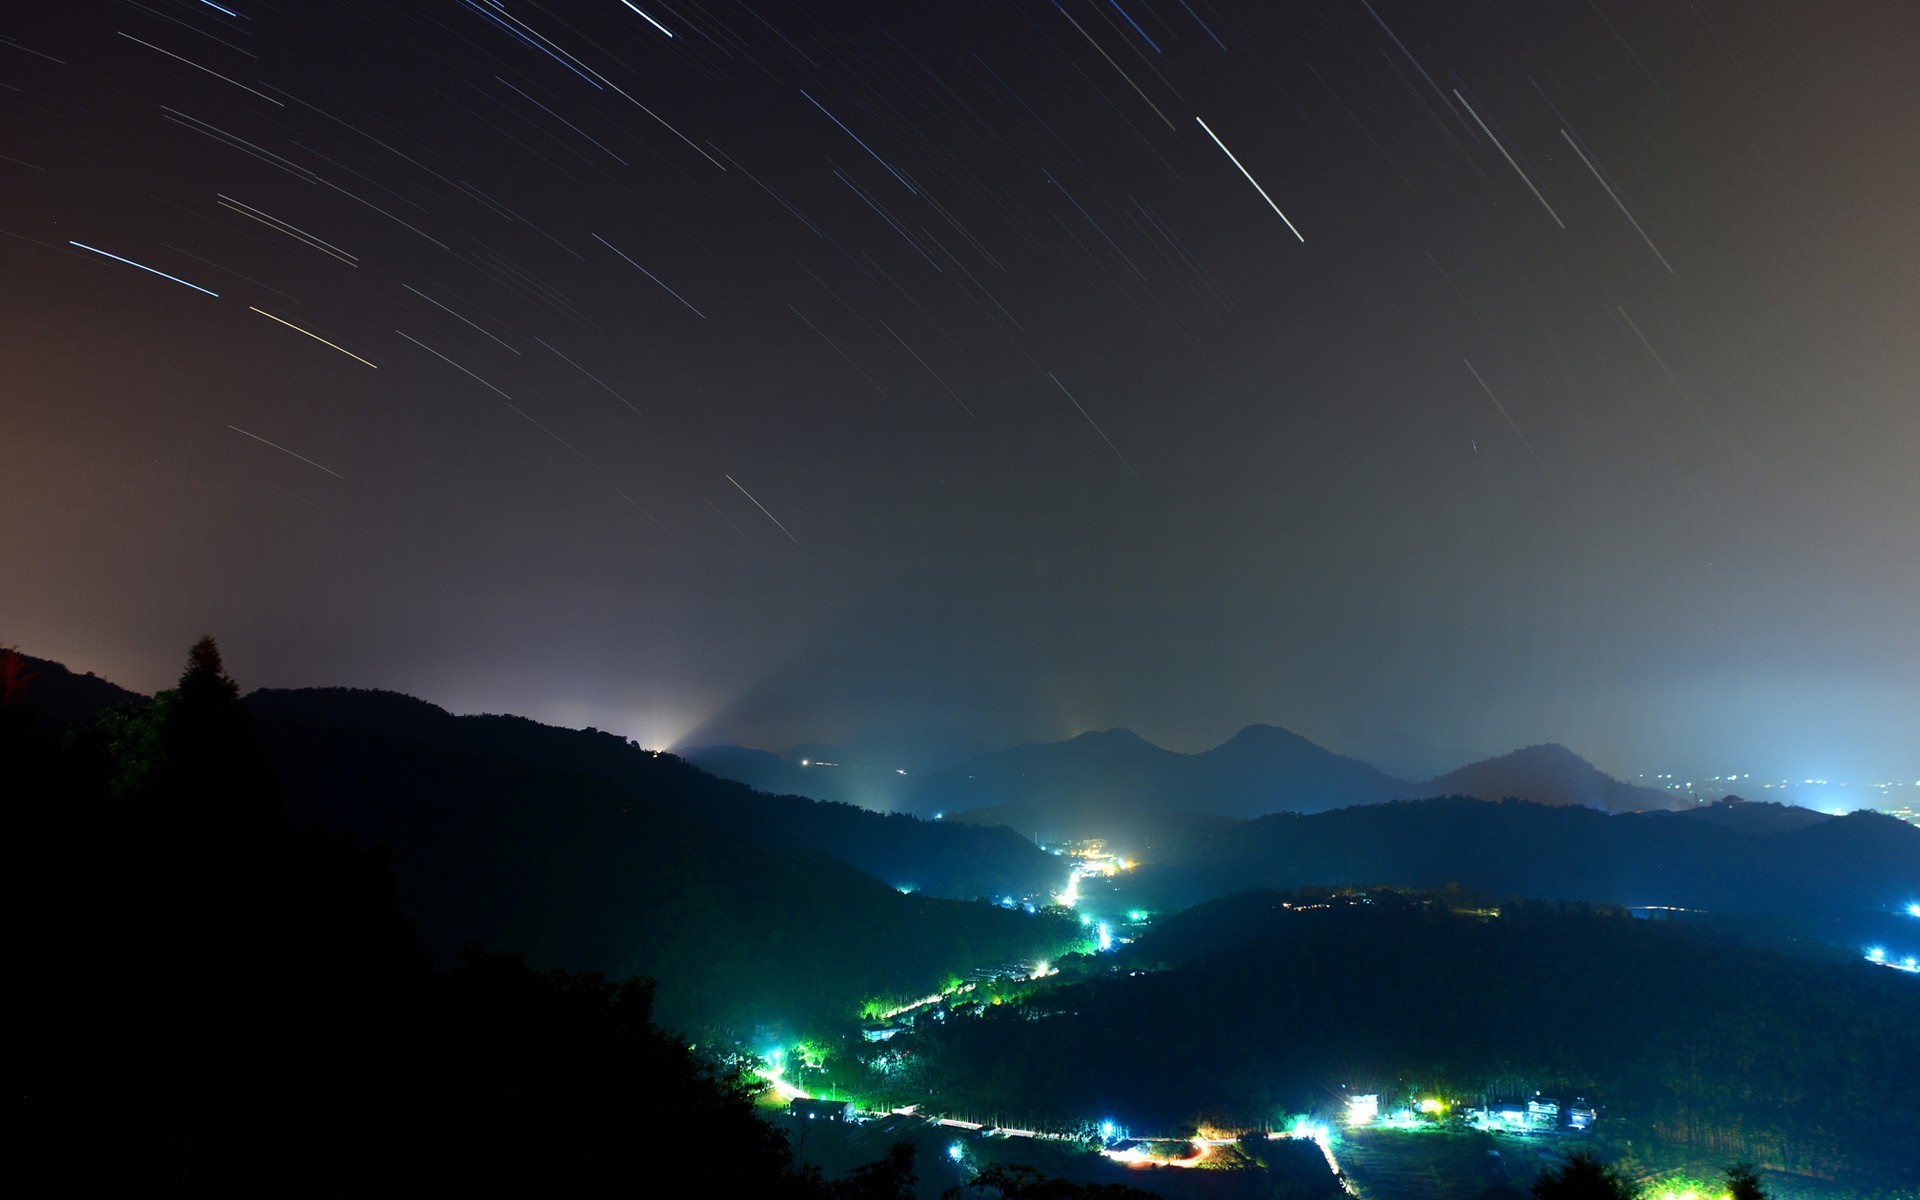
1026, 1183
1743, 1183
15, 675
888, 1178
1581, 1177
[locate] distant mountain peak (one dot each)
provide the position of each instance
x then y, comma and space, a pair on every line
1118, 735
1544, 752
1116, 740
1549, 773
1260, 734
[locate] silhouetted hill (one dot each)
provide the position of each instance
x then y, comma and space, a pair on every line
588, 853
1859, 862
1754, 816
61, 697
1067, 789
1548, 774
950, 861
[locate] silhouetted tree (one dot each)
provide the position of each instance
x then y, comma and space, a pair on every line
1743, 1183
1582, 1177
16, 707
14, 677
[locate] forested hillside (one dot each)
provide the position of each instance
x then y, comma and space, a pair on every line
1271, 1003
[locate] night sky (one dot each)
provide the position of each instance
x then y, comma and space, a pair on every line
712, 371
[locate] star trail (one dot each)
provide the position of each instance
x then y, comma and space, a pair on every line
1399, 464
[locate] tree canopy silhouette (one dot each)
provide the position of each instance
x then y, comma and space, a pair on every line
1582, 1177
1743, 1183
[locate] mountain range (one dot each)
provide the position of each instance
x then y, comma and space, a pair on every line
589, 852
1115, 782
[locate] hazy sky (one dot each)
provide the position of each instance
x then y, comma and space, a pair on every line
768, 372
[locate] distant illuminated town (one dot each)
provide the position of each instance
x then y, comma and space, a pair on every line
1836, 796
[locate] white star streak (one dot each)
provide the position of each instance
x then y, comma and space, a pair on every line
763, 508
443, 308
1096, 428
1510, 162
287, 227
929, 370
1114, 65
650, 275
863, 145
316, 337
282, 449
456, 366
209, 70
1617, 201
590, 375
1503, 408
149, 270
650, 21
1250, 179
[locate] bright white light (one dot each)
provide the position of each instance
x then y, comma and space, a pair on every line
1312, 1131
1876, 954
956, 1152
1361, 1110
1106, 937
1913, 910
650, 20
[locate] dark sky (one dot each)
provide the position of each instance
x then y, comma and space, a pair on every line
824, 366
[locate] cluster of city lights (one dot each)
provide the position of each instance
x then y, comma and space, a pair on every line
1878, 956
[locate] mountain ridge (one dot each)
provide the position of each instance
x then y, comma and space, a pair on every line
1067, 789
